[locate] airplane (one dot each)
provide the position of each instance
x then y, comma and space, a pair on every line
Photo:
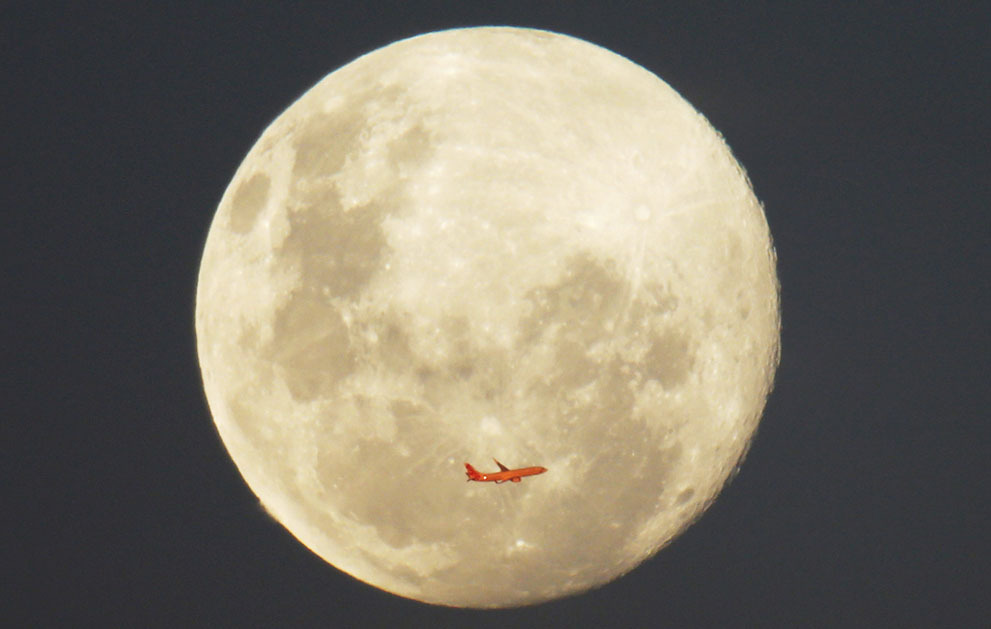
504, 474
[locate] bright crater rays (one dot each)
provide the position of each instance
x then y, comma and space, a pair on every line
483, 243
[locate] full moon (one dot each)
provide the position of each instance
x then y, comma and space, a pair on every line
488, 243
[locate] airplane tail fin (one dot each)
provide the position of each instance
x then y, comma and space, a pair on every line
471, 472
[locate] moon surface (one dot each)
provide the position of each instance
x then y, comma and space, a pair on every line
478, 243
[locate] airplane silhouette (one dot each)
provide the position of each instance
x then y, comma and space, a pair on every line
504, 474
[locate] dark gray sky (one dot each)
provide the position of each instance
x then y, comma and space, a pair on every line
864, 501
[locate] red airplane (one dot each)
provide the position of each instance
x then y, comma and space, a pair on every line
504, 474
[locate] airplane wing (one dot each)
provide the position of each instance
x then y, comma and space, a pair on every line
502, 468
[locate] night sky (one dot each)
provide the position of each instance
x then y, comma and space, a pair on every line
864, 499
